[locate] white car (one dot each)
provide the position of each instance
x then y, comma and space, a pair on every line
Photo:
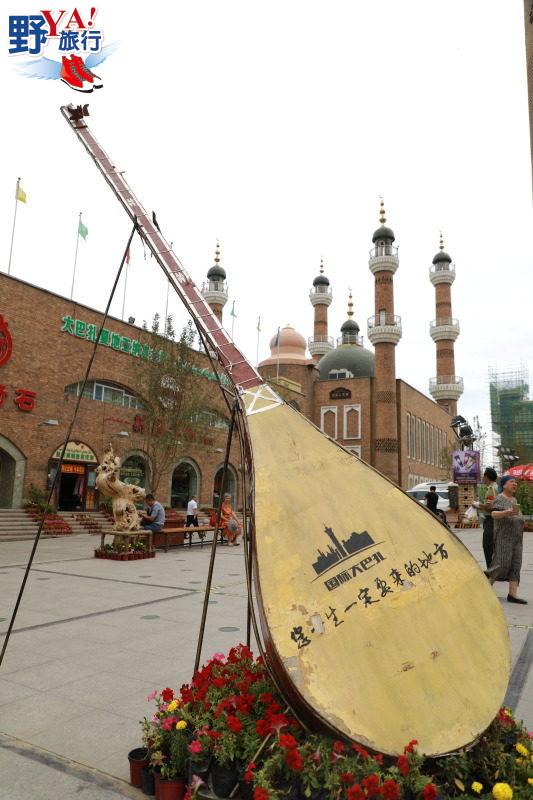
420, 491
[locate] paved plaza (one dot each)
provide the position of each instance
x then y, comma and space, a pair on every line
94, 637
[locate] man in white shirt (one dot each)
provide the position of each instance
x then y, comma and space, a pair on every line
192, 512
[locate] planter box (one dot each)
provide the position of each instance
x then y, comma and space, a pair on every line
123, 556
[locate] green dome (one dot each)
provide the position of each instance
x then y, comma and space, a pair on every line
352, 357
321, 280
350, 326
384, 233
217, 272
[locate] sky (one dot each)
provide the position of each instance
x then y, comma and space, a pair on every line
274, 127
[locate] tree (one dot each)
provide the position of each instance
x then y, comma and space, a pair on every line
173, 398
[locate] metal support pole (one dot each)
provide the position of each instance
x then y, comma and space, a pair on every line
215, 539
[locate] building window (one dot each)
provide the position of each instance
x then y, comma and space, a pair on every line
328, 420
339, 374
418, 440
355, 449
352, 422
105, 393
408, 430
133, 470
413, 437
210, 419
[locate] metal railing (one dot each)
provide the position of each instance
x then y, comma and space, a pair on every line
442, 267
320, 339
384, 250
215, 286
350, 338
438, 323
383, 319
446, 380
321, 289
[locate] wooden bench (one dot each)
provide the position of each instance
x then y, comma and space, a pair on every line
161, 537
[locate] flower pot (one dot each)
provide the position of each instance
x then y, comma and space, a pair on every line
157, 778
171, 790
199, 768
246, 790
223, 779
147, 781
138, 759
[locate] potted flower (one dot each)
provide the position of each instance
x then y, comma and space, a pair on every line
167, 736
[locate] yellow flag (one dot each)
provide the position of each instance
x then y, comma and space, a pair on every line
21, 194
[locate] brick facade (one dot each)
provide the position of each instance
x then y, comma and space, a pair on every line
46, 359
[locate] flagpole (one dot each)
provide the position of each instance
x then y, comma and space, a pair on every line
13, 231
258, 333
75, 256
166, 304
232, 318
125, 286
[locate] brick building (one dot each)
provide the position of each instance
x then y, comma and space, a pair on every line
45, 345
354, 395
348, 391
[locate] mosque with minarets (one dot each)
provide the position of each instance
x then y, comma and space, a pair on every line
351, 392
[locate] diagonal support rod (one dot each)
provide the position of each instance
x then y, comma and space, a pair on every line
67, 439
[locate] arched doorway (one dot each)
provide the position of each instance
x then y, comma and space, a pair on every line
76, 487
134, 470
12, 468
230, 485
185, 482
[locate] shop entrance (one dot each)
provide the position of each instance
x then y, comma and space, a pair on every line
76, 487
184, 485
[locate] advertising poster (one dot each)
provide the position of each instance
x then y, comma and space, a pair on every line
466, 466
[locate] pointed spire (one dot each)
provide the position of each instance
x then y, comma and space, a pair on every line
350, 304
441, 244
217, 253
382, 217
321, 265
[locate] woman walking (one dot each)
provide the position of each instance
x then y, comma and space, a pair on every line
508, 534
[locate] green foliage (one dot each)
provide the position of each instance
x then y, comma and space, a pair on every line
172, 396
36, 497
524, 496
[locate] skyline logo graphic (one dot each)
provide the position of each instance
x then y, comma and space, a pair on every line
338, 551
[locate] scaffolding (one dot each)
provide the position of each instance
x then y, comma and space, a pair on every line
511, 410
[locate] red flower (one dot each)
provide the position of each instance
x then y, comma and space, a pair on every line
403, 765
169, 723
287, 741
249, 774
234, 724
429, 792
260, 793
378, 759
266, 698
371, 784
338, 747
294, 760
274, 708
355, 793
409, 748
219, 682
347, 777
262, 728
167, 695
360, 751
390, 790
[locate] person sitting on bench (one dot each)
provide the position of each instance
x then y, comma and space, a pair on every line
155, 519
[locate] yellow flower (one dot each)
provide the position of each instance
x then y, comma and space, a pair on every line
181, 725
172, 706
502, 791
530, 781
477, 787
521, 749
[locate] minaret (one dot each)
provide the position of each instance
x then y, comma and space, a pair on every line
385, 331
447, 387
350, 328
320, 297
215, 289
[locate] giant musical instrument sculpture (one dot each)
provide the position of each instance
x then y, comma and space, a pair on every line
378, 624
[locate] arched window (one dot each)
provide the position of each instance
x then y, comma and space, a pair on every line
134, 470
12, 467
185, 483
105, 392
230, 485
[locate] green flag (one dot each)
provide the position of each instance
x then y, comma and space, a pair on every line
83, 230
